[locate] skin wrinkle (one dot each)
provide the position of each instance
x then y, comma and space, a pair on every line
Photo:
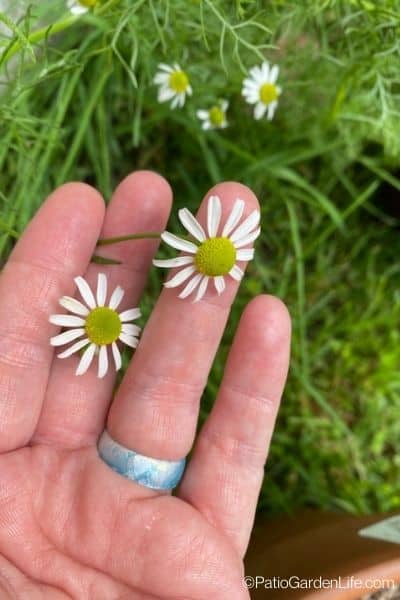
120, 522
162, 387
188, 319
16, 590
233, 450
266, 404
8, 390
6, 585
28, 499
66, 525
65, 432
24, 355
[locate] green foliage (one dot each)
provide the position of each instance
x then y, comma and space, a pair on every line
78, 102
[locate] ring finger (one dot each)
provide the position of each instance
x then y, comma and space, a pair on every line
156, 408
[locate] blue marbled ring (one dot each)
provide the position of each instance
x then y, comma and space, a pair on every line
150, 472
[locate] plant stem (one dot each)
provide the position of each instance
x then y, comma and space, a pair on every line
125, 238
40, 34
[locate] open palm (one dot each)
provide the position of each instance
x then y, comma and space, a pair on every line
69, 526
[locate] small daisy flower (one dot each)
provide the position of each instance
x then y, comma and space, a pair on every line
98, 325
215, 117
173, 84
217, 254
79, 7
261, 89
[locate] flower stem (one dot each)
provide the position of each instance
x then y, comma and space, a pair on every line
124, 238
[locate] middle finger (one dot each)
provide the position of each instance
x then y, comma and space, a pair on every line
74, 408
156, 408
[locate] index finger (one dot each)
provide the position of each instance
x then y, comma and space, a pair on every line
56, 246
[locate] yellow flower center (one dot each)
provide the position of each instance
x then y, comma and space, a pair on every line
103, 326
88, 3
215, 256
217, 116
268, 93
178, 81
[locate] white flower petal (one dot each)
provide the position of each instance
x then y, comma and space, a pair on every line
86, 359
178, 243
252, 99
101, 289
165, 67
191, 224
191, 286
74, 348
74, 306
67, 320
116, 297
129, 340
202, 288
250, 90
265, 71
161, 79
259, 110
207, 125
271, 110
219, 283
202, 114
175, 101
117, 356
224, 105
273, 75
248, 239
85, 291
168, 263
130, 329
249, 85
165, 94
248, 225
245, 254
103, 362
130, 315
180, 277
234, 217
256, 72
66, 337
214, 211
76, 8
236, 273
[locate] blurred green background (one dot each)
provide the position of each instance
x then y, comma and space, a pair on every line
77, 102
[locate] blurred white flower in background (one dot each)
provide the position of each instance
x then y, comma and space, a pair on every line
260, 89
214, 117
173, 84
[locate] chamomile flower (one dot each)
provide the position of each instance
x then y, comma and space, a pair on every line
214, 117
95, 326
261, 89
80, 7
218, 251
173, 84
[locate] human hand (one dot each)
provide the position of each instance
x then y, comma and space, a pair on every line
70, 527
